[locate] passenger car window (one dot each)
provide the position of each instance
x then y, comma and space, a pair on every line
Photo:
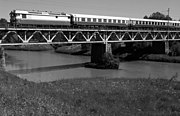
89, 19
99, 20
105, 20
94, 19
83, 19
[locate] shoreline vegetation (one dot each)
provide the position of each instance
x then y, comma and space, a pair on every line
161, 58
77, 50
90, 97
30, 47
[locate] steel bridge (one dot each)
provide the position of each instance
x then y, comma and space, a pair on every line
100, 38
26, 36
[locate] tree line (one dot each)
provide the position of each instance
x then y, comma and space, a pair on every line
3, 22
158, 16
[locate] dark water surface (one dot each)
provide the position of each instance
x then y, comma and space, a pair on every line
50, 66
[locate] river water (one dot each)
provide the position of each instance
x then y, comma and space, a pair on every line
50, 66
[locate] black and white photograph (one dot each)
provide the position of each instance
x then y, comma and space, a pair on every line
89, 58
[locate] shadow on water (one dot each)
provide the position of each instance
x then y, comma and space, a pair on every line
45, 69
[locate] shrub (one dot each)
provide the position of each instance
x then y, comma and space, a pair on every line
175, 49
109, 61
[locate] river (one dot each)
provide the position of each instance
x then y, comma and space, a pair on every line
50, 66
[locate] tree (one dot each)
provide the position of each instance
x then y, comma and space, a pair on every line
146, 17
3, 22
158, 16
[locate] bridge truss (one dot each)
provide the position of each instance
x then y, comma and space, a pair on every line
22, 36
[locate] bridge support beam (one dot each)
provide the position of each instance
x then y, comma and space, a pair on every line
160, 47
98, 50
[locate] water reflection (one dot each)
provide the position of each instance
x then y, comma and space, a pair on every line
44, 69
50, 66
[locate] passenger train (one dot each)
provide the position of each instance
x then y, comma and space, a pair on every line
44, 19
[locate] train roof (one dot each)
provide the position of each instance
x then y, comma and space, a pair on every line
153, 20
121, 18
99, 16
40, 12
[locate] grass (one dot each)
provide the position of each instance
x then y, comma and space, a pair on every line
89, 97
162, 58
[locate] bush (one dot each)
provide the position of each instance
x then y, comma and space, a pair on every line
175, 49
109, 61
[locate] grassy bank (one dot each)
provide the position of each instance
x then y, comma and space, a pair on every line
30, 47
89, 97
69, 49
161, 58
75, 49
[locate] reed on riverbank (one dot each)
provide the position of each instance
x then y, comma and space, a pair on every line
90, 96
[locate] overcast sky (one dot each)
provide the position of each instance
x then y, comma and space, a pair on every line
123, 8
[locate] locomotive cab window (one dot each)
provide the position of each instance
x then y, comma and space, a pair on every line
24, 16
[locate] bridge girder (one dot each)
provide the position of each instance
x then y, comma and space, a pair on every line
61, 36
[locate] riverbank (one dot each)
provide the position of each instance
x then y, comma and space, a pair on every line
161, 58
90, 96
30, 47
77, 50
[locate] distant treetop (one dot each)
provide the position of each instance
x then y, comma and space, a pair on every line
3, 22
158, 16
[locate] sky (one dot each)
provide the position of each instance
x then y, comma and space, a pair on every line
121, 8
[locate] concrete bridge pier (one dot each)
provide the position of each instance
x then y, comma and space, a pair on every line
167, 48
98, 50
160, 47
2, 59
